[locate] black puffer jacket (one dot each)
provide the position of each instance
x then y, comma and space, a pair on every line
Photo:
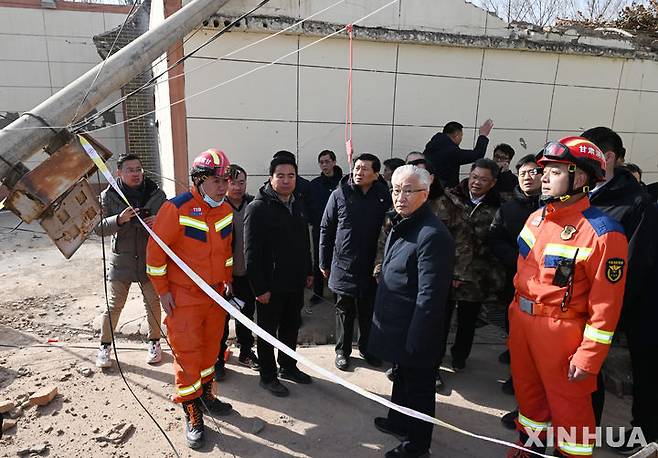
507, 225
128, 259
348, 236
413, 288
321, 189
445, 157
276, 244
624, 199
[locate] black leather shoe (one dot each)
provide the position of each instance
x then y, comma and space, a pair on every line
295, 375
276, 388
392, 373
508, 420
438, 383
401, 451
342, 362
383, 425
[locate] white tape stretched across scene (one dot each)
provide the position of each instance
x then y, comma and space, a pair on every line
234, 312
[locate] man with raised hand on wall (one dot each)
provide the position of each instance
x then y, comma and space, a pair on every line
128, 259
278, 260
409, 308
197, 226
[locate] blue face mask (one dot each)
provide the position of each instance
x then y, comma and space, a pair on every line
210, 201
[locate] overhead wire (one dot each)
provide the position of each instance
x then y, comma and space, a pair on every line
154, 81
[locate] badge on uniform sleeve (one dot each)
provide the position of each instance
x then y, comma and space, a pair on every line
614, 269
567, 233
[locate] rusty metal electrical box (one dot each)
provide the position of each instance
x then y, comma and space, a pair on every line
57, 193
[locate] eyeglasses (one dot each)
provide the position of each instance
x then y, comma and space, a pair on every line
406, 193
138, 170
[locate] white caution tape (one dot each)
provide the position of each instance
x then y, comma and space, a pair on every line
235, 313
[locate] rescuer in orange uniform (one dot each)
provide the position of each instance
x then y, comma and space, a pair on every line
197, 226
569, 291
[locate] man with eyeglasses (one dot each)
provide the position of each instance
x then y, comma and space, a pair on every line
409, 308
349, 230
507, 181
468, 210
128, 258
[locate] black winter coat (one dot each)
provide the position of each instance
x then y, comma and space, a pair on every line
321, 189
446, 157
507, 225
349, 231
276, 244
304, 194
624, 199
413, 288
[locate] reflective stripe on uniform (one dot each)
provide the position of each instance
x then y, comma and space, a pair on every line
188, 390
598, 335
576, 449
532, 424
567, 251
207, 372
215, 157
191, 222
156, 271
224, 222
229, 262
526, 241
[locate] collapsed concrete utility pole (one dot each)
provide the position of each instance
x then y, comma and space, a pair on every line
20, 140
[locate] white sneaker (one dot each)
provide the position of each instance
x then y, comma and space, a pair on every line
103, 357
155, 353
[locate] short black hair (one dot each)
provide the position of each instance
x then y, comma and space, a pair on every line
237, 170
607, 140
393, 163
327, 152
286, 154
422, 161
506, 149
127, 157
376, 164
452, 127
633, 168
527, 159
486, 163
281, 160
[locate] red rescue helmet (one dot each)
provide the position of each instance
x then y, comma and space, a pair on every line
576, 151
211, 162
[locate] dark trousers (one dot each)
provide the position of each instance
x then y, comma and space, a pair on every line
280, 318
645, 381
598, 398
348, 309
467, 314
241, 290
318, 279
414, 388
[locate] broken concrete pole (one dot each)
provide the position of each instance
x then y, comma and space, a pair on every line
43, 396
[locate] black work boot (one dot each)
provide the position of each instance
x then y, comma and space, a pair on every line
194, 430
211, 404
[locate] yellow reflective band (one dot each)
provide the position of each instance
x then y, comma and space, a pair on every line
224, 222
229, 262
598, 335
527, 236
576, 449
191, 222
156, 271
187, 390
567, 251
215, 158
207, 372
535, 425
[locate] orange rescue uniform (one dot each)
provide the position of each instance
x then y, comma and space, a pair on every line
546, 337
202, 237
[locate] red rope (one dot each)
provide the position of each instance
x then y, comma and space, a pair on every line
348, 109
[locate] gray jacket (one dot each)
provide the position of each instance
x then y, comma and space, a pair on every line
128, 258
